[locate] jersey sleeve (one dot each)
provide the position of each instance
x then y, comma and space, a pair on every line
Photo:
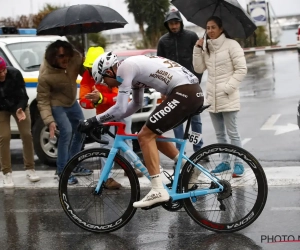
136, 103
125, 76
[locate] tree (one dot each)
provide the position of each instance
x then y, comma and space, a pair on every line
135, 7
22, 22
156, 26
152, 15
257, 39
44, 12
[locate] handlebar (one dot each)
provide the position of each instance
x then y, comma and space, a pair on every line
98, 131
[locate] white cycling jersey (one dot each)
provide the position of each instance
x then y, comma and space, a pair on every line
138, 72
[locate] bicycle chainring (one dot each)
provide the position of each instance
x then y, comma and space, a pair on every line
173, 206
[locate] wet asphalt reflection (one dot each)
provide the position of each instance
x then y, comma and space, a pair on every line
271, 74
34, 219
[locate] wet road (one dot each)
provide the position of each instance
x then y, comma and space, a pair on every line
33, 219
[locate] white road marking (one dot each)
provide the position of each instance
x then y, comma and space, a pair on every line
285, 209
245, 141
279, 129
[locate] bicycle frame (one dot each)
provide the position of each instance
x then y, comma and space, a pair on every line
120, 144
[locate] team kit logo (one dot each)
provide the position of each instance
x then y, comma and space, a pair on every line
163, 112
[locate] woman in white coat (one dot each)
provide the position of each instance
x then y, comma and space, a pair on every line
225, 62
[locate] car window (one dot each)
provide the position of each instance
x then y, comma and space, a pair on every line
29, 55
2, 54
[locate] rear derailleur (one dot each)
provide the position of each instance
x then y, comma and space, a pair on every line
227, 191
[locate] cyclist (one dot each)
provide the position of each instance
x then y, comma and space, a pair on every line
183, 97
101, 97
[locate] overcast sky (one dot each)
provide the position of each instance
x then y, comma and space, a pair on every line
13, 8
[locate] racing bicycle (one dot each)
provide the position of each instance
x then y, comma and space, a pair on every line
218, 203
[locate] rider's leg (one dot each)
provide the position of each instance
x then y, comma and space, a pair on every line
162, 119
147, 141
195, 174
167, 148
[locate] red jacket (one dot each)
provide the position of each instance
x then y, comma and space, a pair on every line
87, 85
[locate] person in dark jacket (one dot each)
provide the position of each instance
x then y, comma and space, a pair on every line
177, 45
13, 102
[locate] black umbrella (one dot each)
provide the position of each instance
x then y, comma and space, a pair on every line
80, 19
236, 21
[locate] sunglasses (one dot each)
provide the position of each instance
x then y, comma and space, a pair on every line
106, 75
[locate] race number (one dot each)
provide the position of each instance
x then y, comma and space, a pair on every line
192, 78
194, 137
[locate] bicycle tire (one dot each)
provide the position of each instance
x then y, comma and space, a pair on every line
218, 220
98, 213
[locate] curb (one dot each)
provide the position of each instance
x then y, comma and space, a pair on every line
276, 176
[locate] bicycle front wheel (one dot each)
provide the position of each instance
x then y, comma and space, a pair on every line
111, 208
243, 197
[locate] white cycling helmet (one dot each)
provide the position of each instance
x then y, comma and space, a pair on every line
102, 64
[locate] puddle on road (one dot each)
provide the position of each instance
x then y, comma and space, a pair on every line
272, 74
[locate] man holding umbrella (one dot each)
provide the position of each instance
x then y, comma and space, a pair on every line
178, 45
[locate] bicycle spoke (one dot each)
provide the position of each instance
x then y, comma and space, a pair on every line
241, 196
106, 210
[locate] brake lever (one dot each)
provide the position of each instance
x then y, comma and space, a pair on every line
97, 139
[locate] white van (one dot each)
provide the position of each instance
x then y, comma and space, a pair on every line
22, 49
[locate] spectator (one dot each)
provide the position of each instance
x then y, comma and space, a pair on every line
56, 96
13, 102
177, 45
226, 65
101, 97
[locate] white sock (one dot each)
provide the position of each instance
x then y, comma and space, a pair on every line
175, 158
156, 182
183, 161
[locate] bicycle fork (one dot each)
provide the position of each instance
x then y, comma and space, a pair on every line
119, 144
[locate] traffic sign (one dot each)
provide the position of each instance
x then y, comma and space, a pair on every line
258, 12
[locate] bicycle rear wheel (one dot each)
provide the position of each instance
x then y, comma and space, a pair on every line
241, 201
110, 209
